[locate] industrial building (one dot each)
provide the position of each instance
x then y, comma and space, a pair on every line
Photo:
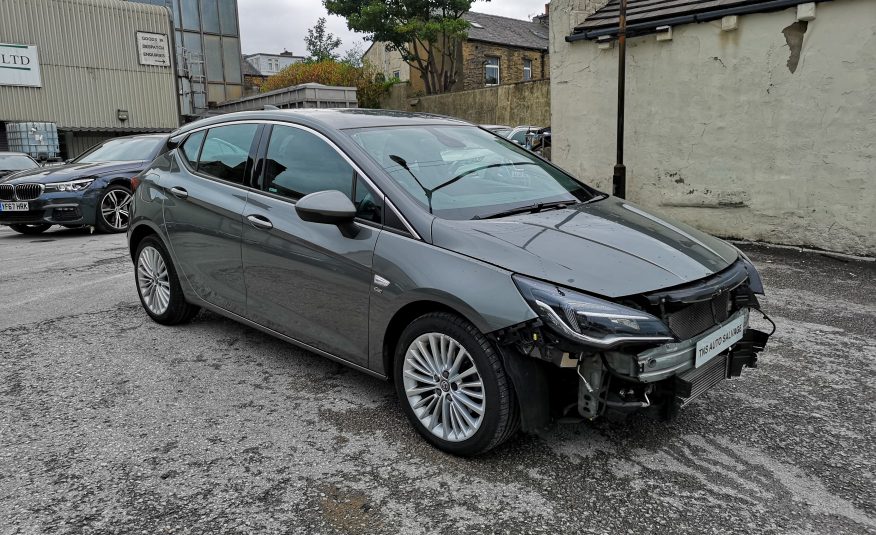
86, 69
207, 50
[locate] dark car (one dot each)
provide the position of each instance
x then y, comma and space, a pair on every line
13, 162
494, 289
92, 190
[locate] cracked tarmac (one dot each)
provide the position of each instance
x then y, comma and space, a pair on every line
110, 423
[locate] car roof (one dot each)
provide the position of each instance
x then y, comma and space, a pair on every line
9, 153
140, 136
341, 118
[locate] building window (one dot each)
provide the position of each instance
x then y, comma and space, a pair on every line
396, 75
491, 71
190, 18
209, 16
527, 69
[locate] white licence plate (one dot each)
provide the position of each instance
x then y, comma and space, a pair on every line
14, 207
716, 342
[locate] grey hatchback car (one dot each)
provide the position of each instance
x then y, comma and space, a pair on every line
495, 290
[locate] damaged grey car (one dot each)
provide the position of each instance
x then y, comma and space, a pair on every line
495, 290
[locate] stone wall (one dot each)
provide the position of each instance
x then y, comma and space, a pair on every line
513, 104
474, 53
767, 132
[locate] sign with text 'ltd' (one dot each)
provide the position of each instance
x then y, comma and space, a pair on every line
19, 65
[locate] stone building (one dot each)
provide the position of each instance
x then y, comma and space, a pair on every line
498, 51
387, 62
752, 119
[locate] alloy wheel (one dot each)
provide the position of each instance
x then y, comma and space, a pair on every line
153, 280
115, 208
443, 386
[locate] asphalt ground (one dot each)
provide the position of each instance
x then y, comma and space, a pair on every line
110, 423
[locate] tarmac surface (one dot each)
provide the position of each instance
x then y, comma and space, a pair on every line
110, 423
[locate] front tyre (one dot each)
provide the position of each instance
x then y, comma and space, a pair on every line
452, 385
158, 285
114, 210
31, 230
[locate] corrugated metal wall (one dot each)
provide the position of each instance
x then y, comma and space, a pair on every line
90, 66
81, 142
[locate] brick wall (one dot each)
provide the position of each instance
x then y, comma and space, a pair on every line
474, 54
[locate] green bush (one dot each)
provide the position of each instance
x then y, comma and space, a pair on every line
368, 83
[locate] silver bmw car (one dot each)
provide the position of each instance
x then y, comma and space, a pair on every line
495, 290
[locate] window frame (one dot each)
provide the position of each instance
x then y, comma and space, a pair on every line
254, 184
497, 66
527, 69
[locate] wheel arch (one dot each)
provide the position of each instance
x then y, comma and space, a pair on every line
403, 317
119, 181
140, 232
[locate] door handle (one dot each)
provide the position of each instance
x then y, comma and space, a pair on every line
179, 193
260, 222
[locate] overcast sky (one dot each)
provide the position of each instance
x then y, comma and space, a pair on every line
274, 25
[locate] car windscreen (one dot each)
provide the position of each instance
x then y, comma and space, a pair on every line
123, 150
462, 172
16, 162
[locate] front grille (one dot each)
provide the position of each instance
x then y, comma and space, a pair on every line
699, 317
7, 192
692, 384
28, 192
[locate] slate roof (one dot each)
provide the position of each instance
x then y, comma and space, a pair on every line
505, 31
248, 68
643, 16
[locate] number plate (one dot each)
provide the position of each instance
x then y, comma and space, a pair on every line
14, 207
713, 344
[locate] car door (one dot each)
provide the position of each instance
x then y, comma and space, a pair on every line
204, 211
307, 280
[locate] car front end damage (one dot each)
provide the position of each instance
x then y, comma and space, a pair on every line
658, 351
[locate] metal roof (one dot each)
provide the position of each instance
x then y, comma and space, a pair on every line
644, 16
506, 31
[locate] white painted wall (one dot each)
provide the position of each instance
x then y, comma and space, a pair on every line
269, 64
720, 133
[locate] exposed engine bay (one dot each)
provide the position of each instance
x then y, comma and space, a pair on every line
655, 352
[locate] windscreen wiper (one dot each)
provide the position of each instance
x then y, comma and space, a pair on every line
532, 209
476, 169
404, 164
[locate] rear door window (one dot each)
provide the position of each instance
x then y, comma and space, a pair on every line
226, 152
192, 148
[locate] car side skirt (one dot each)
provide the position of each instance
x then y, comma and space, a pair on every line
230, 315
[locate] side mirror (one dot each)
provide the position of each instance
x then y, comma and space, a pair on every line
328, 207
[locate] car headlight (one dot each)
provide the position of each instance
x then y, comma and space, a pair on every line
73, 185
588, 320
754, 280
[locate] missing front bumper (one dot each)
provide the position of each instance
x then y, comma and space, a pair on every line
668, 374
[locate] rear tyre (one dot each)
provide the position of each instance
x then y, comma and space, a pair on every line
31, 230
452, 385
158, 285
114, 210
